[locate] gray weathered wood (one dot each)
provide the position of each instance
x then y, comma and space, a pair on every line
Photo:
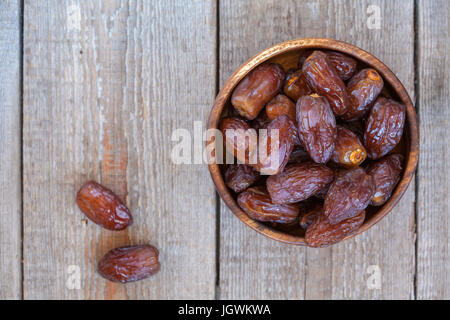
252, 266
10, 156
105, 85
433, 223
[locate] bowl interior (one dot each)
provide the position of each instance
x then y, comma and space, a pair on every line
287, 55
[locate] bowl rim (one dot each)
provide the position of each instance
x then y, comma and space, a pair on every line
412, 150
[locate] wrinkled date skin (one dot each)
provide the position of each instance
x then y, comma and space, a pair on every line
384, 127
386, 174
257, 204
316, 127
240, 139
348, 150
321, 233
298, 182
362, 91
257, 88
238, 177
282, 133
103, 207
344, 65
349, 194
280, 105
127, 264
296, 85
324, 79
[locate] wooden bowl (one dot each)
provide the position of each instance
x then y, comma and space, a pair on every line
287, 54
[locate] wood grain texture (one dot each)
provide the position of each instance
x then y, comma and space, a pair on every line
105, 85
10, 156
433, 221
341, 271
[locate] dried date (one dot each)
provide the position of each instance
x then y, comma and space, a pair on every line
362, 91
298, 182
384, 127
316, 127
386, 174
349, 194
345, 66
324, 80
257, 204
239, 177
322, 233
103, 207
296, 85
348, 150
257, 88
280, 105
276, 145
240, 139
127, 264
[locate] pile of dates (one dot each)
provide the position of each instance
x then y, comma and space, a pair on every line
336, 130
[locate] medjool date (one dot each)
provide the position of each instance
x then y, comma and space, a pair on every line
316, 127
345, 66
240, 139
384, 127
324, 80
257, 88
322, 233
349, 194
348, 150
257, 204
239, 177
298, 182
275, 146
280, 105
296, 85
386, 174
362, 91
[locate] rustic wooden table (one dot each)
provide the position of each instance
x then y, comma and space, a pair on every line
94, 90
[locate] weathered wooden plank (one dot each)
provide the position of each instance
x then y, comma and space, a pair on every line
10, 156
106, 83
433, 221
277, 271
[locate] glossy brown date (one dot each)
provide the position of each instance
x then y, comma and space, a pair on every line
322, 233
298, 182
316, 127
348, 150
240, 139
324, 80
386, 174
344, 65
275, 147
280, 105
239, 177
127, 264
362, 91
257, 88
103, 207
257, 204
349, 194
296, 85
384, 127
